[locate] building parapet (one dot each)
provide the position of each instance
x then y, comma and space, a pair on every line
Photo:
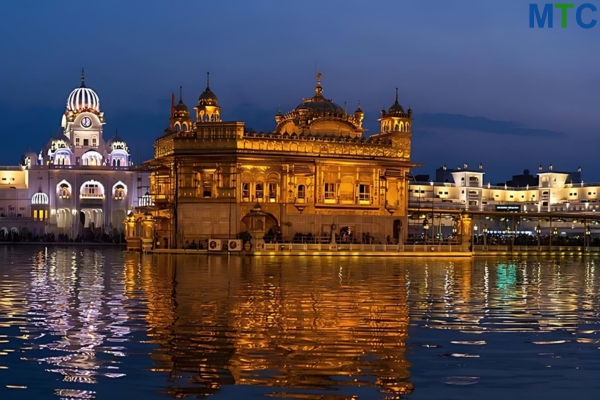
297, 144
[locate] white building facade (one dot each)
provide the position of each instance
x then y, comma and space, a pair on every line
78, 185
559, 202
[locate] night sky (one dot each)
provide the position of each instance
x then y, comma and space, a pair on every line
483, 86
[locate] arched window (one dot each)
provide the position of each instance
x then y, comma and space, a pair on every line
63, 190
301, 192
259, 190
92, 189
119, 190
177, 127
92, 157
184, 127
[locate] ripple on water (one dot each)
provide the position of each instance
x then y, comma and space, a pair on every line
81, 320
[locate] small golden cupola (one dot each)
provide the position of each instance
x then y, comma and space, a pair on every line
180, 116
359, 115
208, 109
395, 119
319, 116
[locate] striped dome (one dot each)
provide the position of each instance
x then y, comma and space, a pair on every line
83, 99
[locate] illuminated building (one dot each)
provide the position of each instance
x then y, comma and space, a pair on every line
78, 184
554, 192
313, 174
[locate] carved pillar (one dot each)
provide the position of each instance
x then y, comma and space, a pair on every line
130, 226
147, 232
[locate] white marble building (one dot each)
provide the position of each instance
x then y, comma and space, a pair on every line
79, 184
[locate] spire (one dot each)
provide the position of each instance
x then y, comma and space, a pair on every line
396, 95
181, 94
319, 89
359, 109
172, 104
82, 78
208, 80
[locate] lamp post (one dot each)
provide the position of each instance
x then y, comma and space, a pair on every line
432, 212
475, 233
586, 238
425, 228
538, 231
484, 231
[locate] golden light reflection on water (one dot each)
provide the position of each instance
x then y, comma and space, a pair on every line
300, 327
307, 325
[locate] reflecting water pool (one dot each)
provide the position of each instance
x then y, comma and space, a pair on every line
81, 323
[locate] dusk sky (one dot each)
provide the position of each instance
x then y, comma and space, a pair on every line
483, 86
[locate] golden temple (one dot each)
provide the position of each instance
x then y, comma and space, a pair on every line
315, 176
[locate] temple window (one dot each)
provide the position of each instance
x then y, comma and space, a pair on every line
272, 192
64, 191
86, 142
364, 193
92, 189
207, 190
245, 190
119, 192
301, 192
259, 191
330, 191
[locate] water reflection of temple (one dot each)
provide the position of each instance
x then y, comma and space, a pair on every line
77, 302
310, 326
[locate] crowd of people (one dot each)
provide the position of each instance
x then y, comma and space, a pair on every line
89, 237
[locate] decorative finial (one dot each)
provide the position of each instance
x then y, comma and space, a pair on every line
359, 104
396, 95
344, 107
207, 80
180, 94
279, 108
82, 76
319, 76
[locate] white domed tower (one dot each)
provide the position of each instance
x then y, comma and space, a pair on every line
83, 125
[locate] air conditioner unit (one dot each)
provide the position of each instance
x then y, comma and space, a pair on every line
234, 245
214, 244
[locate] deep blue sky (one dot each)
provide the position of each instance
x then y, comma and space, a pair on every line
484, 87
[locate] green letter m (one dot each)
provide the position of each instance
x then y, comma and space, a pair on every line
534, 15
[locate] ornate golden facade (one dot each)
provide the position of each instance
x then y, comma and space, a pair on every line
315, 172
